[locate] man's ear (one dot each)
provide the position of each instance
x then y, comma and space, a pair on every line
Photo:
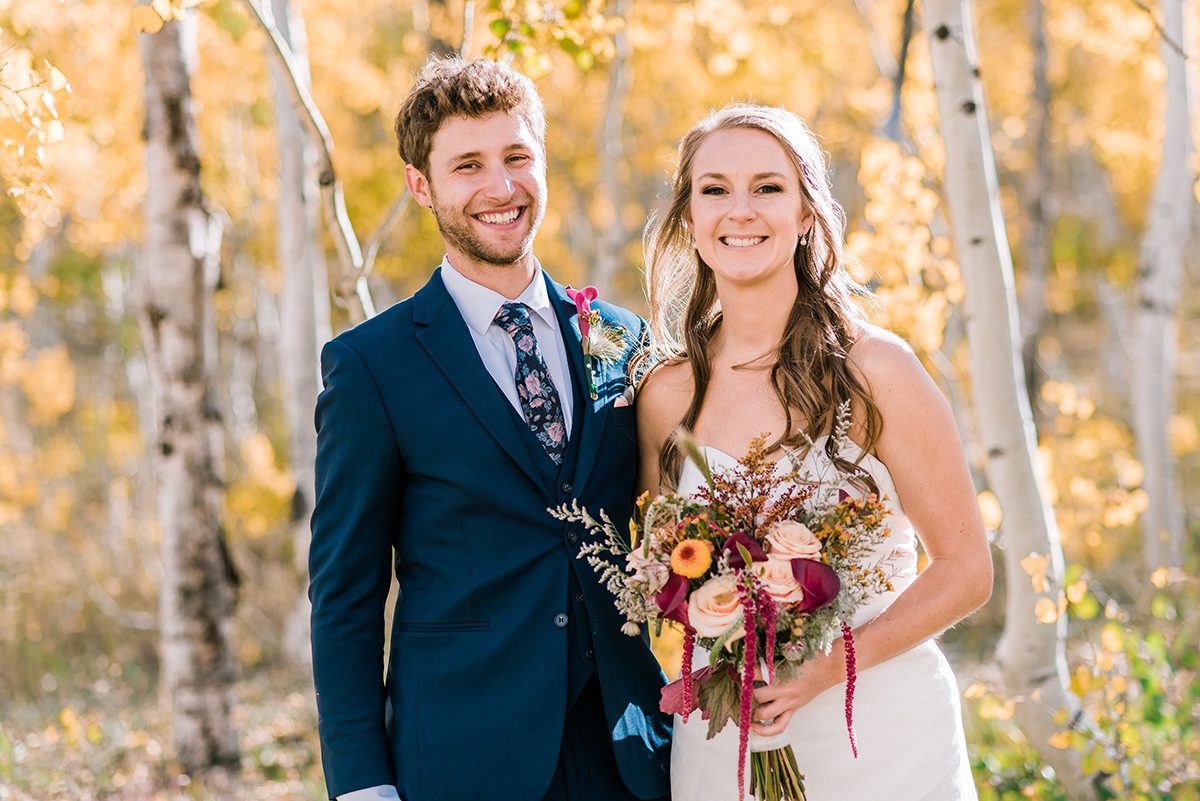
418, 185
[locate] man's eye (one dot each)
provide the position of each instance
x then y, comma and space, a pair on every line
518, 159
467, 167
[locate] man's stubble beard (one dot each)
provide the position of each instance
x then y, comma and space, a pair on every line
456, 230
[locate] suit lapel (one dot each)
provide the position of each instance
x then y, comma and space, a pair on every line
588, 423
443, 333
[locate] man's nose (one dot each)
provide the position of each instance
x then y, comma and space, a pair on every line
499, 185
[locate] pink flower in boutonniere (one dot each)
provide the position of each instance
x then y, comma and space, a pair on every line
599, 339
583, 304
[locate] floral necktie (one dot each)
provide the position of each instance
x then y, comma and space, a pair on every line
539, 400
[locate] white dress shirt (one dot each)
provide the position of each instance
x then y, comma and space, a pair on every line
478, 306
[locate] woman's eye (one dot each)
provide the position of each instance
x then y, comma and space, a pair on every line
713, 190
770, 188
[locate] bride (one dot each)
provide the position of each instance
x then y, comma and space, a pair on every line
751, 309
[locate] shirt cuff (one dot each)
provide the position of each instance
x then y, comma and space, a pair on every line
381, 792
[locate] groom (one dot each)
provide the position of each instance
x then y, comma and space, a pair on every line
447, 426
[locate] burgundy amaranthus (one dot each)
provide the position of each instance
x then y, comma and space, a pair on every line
848, 641
748, 611
769, 613
689, 686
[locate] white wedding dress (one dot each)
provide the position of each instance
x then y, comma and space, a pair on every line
906, 710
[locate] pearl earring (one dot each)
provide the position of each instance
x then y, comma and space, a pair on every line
804, 239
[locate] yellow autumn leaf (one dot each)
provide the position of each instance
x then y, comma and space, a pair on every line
58, 80
1112, 638
1081, 680
48, 381
1060, 740
1045, 610
1118, 684
1076, 591
146, 20
22, 296
992, 708
975, 690
990, 510
1160, 576
1036, 564
165, 9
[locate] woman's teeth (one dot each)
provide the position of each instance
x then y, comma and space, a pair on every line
742, 241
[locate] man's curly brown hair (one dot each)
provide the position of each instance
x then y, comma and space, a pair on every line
452, 87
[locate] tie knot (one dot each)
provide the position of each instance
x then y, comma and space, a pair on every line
513, 318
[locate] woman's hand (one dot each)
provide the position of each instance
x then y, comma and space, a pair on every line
778, 702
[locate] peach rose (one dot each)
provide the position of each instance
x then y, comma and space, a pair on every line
777, 579
716, 606
792, 540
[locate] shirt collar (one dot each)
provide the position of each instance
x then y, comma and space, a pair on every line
479, 305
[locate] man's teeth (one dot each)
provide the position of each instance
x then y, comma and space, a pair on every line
500, 219
742, 241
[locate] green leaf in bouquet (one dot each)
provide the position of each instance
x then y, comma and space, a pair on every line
721, 643
718, 695
685, 443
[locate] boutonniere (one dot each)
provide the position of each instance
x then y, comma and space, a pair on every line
601, 339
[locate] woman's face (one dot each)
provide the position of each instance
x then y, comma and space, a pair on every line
746, 209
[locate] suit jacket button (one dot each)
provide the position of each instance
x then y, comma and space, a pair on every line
579, 597
572, 537
560, 620
589, 654
566, 487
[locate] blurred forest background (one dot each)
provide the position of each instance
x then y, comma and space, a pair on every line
177, 239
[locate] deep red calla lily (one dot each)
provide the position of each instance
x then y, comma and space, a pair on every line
757, 554
672, 599
821, 585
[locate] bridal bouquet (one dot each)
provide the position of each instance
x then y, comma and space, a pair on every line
758, 567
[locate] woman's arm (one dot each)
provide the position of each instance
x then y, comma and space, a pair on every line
921, 448
662, 397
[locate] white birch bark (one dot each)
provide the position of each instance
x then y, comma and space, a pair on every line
304, 306
176, 269
611, 242
351, 288
1031, 654
1037, 186
1156, 330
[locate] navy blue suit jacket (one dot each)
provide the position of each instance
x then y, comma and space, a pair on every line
424, 467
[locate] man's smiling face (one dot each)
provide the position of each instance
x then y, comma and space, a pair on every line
487, 188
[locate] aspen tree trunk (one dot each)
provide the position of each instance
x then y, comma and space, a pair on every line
1156, 331
304, 307
182, 240
610, 244
1037, 240
1031, 654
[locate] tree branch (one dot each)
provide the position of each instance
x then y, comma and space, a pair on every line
1166, 37
394, 214
353, 279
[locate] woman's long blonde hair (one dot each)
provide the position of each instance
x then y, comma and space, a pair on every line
811, 375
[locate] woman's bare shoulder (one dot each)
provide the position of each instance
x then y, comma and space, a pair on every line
663, 396
883, 359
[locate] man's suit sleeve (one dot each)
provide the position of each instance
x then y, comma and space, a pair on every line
358, 480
